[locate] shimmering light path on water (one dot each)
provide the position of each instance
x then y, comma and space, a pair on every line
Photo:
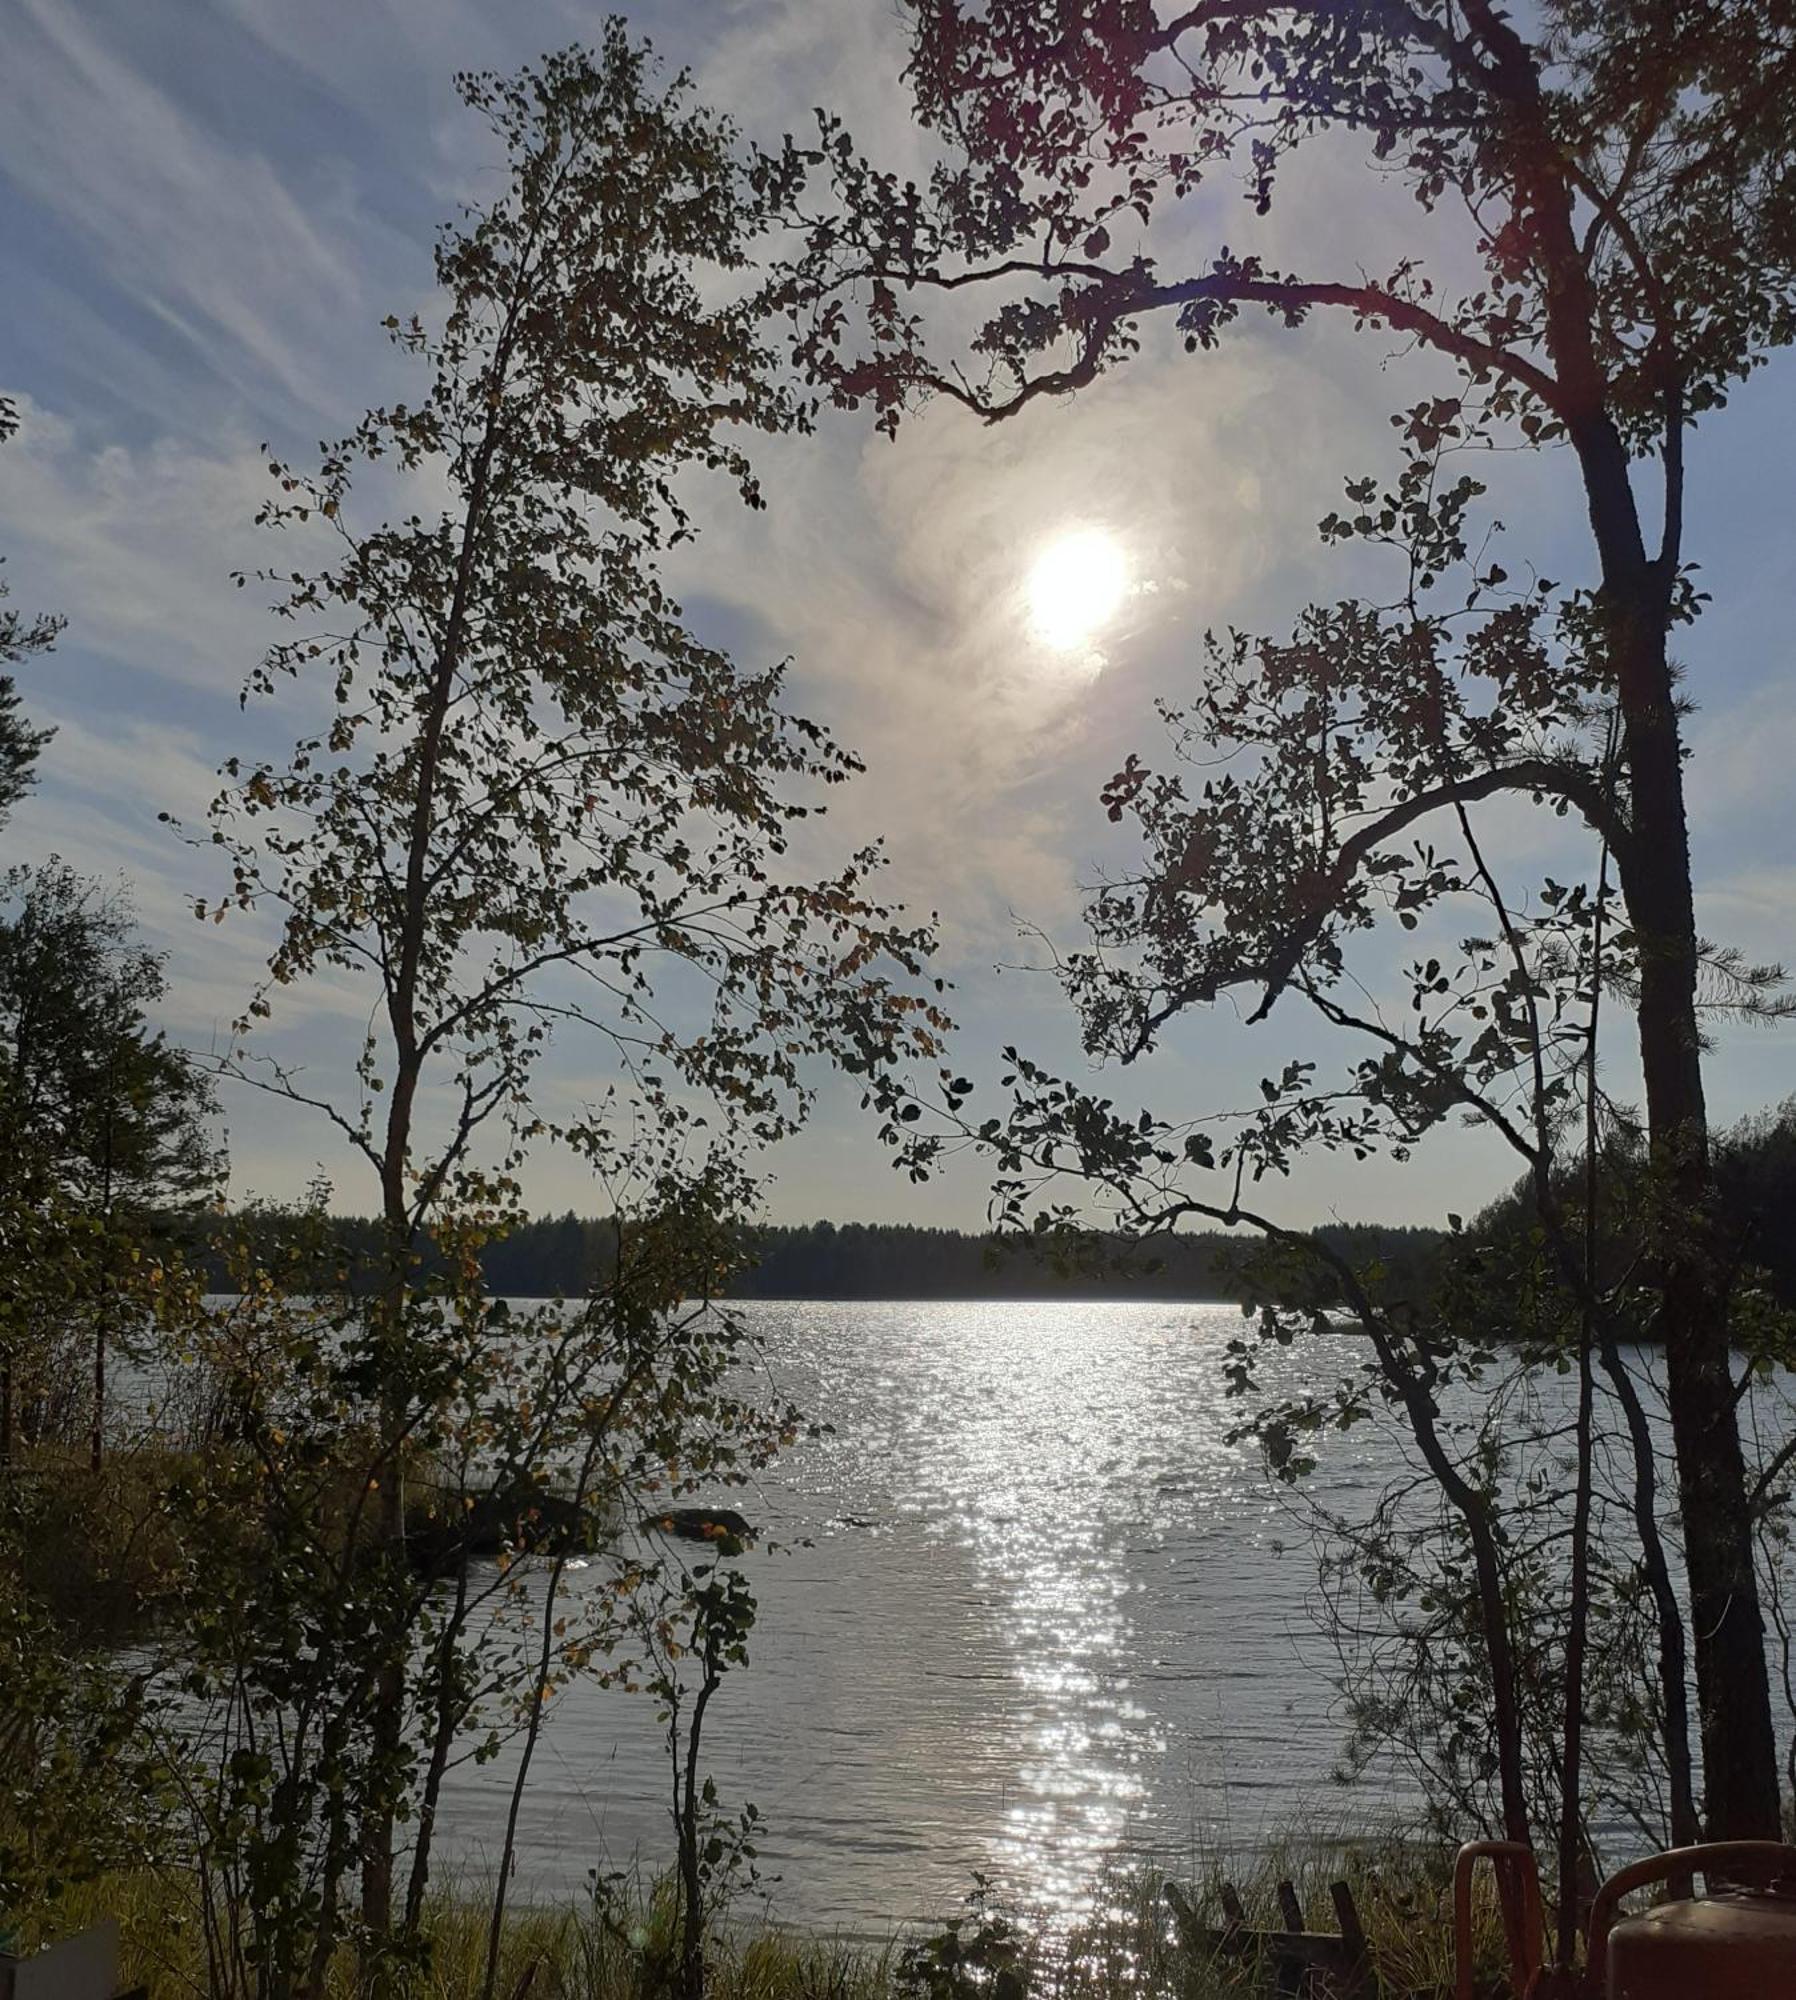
1032, 1614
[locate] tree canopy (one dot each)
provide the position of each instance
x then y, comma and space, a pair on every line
1609, 250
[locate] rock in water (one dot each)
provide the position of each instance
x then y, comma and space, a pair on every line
722, 1526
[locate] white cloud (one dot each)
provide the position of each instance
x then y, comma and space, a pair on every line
263, 269
210, 238
775, 60
138, 547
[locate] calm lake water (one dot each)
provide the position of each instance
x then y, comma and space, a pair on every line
1033, 1614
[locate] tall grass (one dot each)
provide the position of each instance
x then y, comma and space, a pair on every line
1128, 1949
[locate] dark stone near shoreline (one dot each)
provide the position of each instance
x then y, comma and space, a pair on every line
530, 1522
721, 1525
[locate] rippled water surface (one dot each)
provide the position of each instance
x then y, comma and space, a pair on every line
1032, 1613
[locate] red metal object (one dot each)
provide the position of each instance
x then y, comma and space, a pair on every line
1518, 1882
1732, 1944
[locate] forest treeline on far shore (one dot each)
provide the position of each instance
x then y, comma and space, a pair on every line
568, 1254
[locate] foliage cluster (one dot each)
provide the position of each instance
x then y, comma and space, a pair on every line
387, 1519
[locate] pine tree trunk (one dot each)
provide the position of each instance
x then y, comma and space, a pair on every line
1733, 1688
97, 1437
1739, 1744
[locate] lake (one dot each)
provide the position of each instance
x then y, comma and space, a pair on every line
1033, 1614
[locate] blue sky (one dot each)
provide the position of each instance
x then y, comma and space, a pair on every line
209, 205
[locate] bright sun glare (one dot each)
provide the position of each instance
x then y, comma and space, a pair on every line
1075, 587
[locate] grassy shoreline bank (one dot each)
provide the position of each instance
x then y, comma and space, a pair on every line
94, 1561
1128, 1947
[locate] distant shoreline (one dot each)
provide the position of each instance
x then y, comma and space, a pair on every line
568, 1256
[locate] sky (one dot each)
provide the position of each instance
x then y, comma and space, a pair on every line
208, 206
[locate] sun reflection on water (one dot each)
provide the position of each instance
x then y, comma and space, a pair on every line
1024, 1624
1048, 1520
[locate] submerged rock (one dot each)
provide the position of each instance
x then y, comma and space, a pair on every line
520, 1521
720, 1525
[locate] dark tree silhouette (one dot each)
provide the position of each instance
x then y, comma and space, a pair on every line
1620, 176
531, 800
105, 1139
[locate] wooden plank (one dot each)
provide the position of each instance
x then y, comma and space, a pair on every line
82, 1967
1353, 1932
1356, 1954
1198, 1937
1297, 1960
1320, 1949
1312, 1948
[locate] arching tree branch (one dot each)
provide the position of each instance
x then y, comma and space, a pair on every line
1111, 297
1538, 776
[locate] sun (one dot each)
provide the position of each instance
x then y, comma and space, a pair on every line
1077, 583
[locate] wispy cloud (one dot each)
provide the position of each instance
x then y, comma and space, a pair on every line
139, 546
209, 238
